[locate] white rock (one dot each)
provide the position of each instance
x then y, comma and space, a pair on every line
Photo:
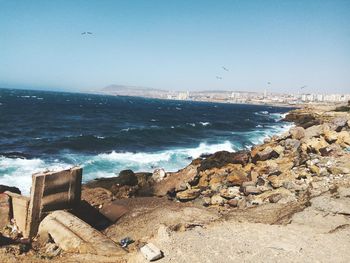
151, 252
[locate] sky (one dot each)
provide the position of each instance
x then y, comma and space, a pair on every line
176, 45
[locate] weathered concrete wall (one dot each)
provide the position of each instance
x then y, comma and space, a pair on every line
52, 191
4, 210
73, 235
20, 206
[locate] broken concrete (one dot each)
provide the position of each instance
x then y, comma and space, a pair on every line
73, 235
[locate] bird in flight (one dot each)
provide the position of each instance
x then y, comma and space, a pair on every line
224, 68
303, 87
84, 33
218, 77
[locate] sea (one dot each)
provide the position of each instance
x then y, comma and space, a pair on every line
42, 130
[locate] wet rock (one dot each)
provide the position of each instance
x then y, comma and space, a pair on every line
297, 133
4, 188
222, 158
127, 177
230, 192
188, 194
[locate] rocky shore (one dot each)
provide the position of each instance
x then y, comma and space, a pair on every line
293, 188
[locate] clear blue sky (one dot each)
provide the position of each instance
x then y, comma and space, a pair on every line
178, 45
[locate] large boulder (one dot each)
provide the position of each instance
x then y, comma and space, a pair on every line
4, 188
175, 182
265, 154
279, 180
297, 133
338, 124
222, 158
127, 177
343, 138
314, 145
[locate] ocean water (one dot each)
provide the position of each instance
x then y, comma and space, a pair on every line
105, 134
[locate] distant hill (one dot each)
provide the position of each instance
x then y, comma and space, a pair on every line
123, 90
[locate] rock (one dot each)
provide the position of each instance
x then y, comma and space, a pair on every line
151, 252
314, 145
4, 210
328, 204
302, 117
236, 178
338, 124
217, 181
217, 200
233, 202
127, 177
337, 170
343, 139
331, 136
52, 250
175, 182
314, 131
188, 194
297, 133
230, 192
266, 154
4, 188
222, 158
292, 145
158, 175
278, 181
249, 189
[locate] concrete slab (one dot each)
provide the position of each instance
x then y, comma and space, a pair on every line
73, 235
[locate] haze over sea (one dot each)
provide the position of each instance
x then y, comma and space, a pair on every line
42, 130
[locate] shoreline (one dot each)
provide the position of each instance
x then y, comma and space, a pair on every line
297, 182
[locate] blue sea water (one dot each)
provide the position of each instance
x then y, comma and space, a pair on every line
42, 130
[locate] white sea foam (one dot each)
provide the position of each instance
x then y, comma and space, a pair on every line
204, 123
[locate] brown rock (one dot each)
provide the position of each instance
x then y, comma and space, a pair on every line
266, 154
217, 200
236, 178
247, 190
230, 192
278, 181
331, 136
175, 182
297, 133
314, 145
216, 182
233, 202
343, 138
188, 194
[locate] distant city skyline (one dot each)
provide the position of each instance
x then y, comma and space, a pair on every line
85, 45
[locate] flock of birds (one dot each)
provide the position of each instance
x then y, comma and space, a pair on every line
224, 68
217, 77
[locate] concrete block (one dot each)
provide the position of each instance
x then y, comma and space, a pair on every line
151, 252
4, 210
20, 206
73, 235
